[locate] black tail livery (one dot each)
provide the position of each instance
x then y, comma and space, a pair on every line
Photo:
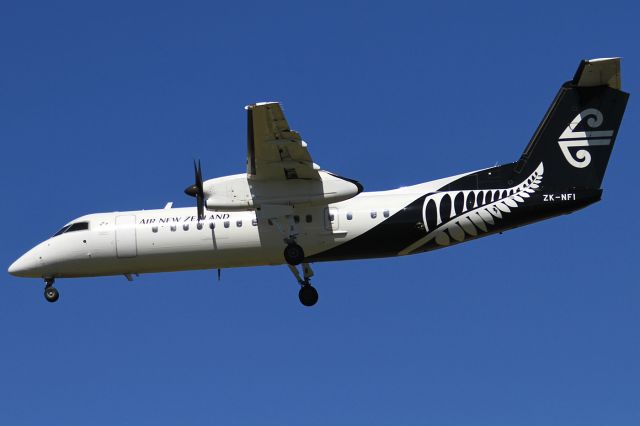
576, 136
574, 139
560, 171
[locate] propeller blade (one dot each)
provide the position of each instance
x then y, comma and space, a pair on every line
199, 178
197, 189
200, 205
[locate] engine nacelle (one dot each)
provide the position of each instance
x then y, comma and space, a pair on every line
238, 192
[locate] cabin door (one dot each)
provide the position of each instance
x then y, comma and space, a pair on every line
126, 245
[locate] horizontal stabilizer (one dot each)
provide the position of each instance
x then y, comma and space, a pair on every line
598, 72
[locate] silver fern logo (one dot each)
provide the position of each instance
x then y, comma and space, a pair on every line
572, 139
452, 216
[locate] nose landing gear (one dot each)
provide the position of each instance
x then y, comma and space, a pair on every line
50, 292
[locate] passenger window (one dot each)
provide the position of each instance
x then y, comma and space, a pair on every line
226, 223
173, 228
308, 218
154, 229
296, 219
199, 225
185, 227
254, 222
385, 213
239, 223
374, 214
212, 225
331, 217
349, 216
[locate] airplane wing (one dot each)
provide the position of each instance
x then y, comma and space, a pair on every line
274, 151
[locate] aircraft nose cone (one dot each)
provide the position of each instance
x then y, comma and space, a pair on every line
16, 267
23, 267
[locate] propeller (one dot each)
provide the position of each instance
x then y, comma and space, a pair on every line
197, 190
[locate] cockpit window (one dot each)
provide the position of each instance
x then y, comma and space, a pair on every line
62, 231
78, 226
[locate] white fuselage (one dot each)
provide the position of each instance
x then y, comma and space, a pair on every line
403, 221
172, 239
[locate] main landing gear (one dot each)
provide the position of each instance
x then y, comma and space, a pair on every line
50, 292
293, 254
288, 229
308, 295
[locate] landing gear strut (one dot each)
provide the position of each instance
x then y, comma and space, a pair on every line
308, 295
293, 253
50, 292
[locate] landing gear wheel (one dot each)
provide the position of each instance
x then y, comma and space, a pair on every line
308, 295
293, 254
51, 294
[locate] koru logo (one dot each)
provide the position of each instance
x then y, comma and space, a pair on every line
570, 138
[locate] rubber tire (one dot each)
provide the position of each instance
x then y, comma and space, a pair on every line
293, 254
51, 294
308, 295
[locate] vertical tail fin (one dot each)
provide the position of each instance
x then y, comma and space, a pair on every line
576, 136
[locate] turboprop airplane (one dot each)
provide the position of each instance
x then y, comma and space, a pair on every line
286, 210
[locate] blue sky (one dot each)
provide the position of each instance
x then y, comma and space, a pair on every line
104, 107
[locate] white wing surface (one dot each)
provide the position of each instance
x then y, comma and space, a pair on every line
274, 151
